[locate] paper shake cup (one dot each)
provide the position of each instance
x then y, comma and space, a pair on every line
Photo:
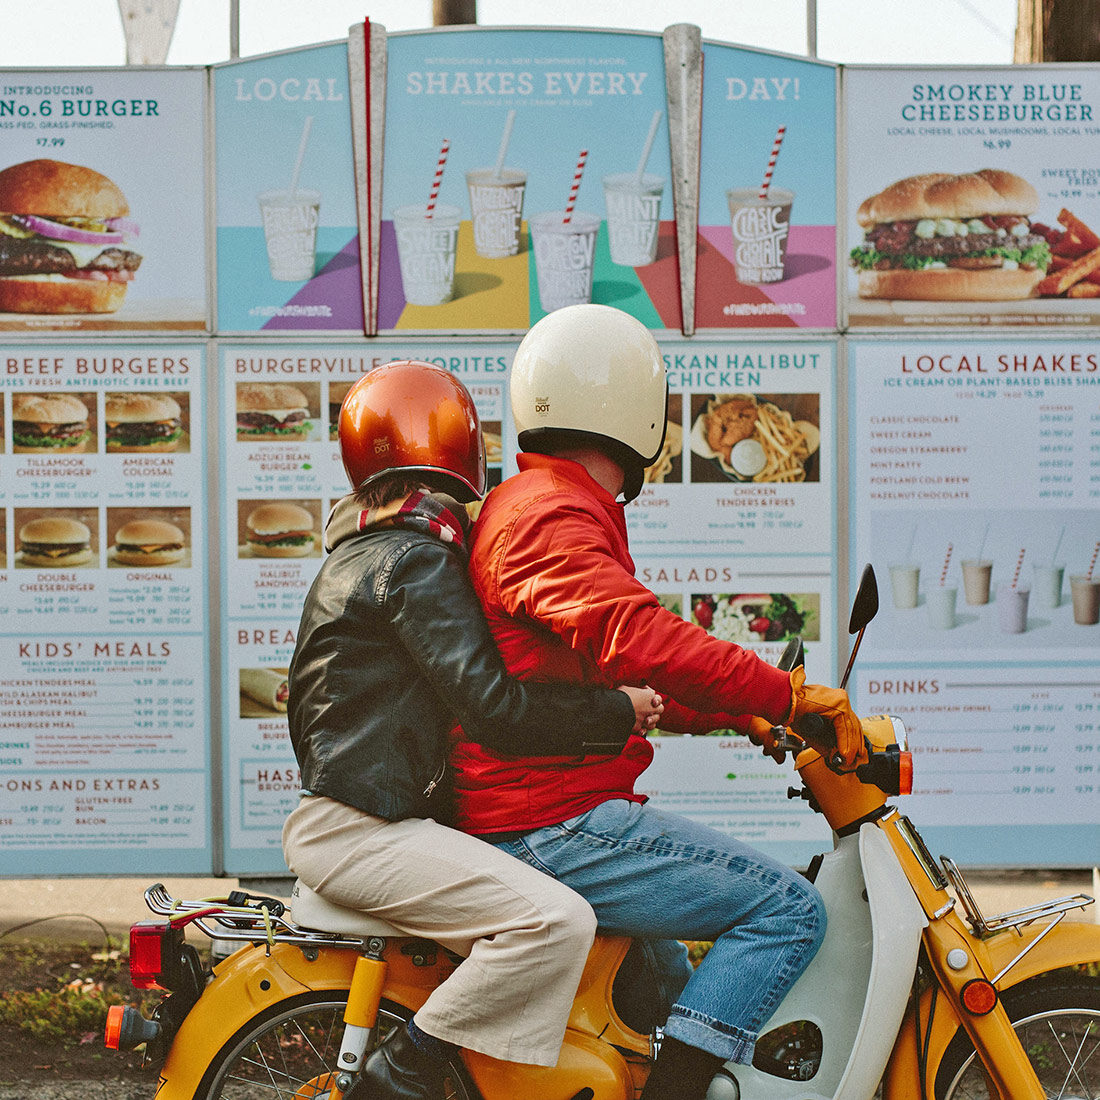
496, 208
1012, 608
426, 253
565, 253
290, 230
904, 584
759, 233
633, 217
976, 576
1085, 593
1047, 590
941, 607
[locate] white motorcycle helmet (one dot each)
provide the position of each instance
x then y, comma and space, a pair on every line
592, 374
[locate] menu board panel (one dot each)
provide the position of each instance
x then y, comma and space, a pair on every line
975, 481
103, 201
1015, 238
104, 694
288, 249
767, 192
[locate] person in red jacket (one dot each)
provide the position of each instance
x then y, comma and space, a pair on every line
552, 568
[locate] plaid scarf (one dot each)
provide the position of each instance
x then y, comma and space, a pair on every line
434, 514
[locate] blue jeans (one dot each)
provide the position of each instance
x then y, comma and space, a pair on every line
659, 876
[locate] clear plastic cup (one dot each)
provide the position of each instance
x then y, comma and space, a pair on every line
941, 607
426, 250
633, 217
496, 209
1012, 608
760, 228
1046, 588
565, 256
976, 575
290, 230
905, 584
1085, 593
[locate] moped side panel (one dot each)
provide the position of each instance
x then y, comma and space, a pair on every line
856, 988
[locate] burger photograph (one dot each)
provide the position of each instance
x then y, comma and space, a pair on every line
279, 529
50, 423
943, 237
65, 236
274, 412
151, 538
143, 422
55, 540
337, 391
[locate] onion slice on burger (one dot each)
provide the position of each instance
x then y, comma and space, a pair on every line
58, 231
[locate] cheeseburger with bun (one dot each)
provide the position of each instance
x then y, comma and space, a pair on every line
273, 411
941, 237
64, 232
145, 542
141, 422
280, 530
49, 423
55, 542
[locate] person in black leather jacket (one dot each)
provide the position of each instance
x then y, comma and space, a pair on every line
392, 653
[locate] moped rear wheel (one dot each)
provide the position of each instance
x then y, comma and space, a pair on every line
289, 1052
1057, 1018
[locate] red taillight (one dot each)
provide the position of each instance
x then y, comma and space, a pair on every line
154, 953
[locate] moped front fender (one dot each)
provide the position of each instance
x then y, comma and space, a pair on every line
1070, 944
255, 979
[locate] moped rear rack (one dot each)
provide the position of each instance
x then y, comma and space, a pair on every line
1016, 919
255, 920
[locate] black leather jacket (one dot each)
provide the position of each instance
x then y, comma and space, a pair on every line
392, 651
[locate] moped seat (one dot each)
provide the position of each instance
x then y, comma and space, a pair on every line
310, 910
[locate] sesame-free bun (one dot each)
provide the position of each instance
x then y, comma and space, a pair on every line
56, 294
261, 396
941, 195
950, 284
49, 409
280, 530
146, 542
52, 188
141, 422
55, 541
140, 408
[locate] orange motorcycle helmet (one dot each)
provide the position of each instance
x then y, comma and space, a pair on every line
411, 415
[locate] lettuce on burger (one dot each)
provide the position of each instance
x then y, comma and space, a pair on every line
941, 237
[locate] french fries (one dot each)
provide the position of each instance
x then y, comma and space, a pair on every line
1074, 270
785, 441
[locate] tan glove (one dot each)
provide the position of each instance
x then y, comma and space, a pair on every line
833, 705
759, 732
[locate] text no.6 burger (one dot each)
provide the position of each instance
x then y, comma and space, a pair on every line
941, 237
63, 232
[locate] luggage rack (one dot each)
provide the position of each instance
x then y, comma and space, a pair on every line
1015, 919
244, 918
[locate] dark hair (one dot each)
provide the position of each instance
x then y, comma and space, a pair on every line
398, 484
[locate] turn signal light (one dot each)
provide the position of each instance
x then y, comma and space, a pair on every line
979, 997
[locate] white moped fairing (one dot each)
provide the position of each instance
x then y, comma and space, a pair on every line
857, 986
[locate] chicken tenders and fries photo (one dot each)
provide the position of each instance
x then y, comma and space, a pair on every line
755, 437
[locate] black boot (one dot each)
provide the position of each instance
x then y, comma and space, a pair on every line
681, 1072
399, 1070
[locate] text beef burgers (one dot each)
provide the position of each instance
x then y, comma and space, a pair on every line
941, 237
63, 235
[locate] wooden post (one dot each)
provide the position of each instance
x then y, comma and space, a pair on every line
448, 13
1057, 30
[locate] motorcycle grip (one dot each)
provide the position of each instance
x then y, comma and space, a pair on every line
816, 729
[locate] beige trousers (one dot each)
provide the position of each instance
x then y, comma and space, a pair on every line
525, 936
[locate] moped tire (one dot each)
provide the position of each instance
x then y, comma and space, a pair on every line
1057, 1017
289, 1052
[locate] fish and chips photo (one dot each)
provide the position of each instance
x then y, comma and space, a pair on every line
668, 465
